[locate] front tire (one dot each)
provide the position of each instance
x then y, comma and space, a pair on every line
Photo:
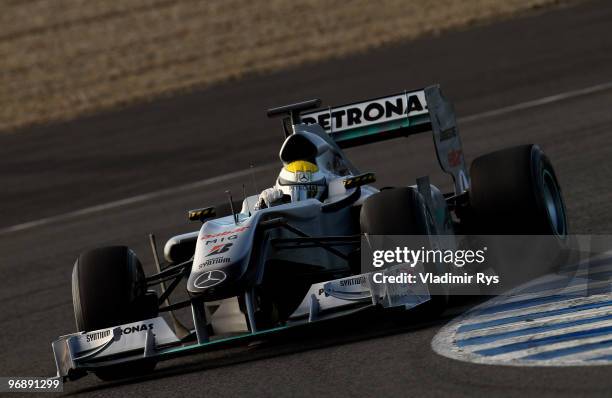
402, 211
109, 289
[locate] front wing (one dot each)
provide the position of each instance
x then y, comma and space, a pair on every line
76, 354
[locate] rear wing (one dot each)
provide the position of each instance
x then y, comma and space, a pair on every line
394, 116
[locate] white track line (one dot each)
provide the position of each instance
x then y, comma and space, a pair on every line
134, 199
539, 102
225, 177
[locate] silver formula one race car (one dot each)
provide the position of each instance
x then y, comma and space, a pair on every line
291, 255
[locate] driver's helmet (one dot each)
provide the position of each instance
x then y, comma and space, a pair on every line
302, 180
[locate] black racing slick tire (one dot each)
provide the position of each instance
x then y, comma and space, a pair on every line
402, 211
394, 211
109, 289
515, 192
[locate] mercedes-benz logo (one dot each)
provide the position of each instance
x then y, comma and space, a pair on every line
303, 177
209, 279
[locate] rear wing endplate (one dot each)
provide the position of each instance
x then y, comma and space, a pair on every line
399, 115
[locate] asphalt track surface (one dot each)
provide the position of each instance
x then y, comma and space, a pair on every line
56, 169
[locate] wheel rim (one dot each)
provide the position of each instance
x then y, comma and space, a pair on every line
554, 205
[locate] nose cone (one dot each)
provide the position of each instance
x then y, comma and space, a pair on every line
221, 257
216, 282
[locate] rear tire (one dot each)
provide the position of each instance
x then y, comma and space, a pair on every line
515, 191
109, 289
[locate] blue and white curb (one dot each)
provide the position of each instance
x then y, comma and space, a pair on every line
556, 320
